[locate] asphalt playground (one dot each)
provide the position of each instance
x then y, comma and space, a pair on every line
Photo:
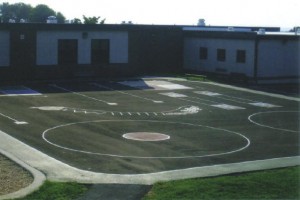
150, 126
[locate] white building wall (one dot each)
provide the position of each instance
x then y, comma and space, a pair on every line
47, 46
278, 58
4, 49
211, 64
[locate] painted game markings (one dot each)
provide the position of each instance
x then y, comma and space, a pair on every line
146, 136
14, 120
208, 93
183, 110
250, 118
154, 84
126, 93
83, 95
173, 94
237, 99
264, 105
244, 143
228, 107
18, 91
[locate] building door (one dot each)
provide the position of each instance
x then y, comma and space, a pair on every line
67, 52
100, 51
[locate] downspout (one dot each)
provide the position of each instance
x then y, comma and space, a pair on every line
255, 59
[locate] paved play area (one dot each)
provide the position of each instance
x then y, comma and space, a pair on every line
147, 126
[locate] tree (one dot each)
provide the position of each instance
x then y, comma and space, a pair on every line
60, 18
40, 13
92, 20
76, 21
15, 11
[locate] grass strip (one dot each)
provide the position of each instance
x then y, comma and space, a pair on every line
269, 184
57, 191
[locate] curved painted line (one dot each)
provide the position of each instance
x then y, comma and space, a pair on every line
263, 125
146, 157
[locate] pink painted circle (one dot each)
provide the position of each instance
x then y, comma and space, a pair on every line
146, 136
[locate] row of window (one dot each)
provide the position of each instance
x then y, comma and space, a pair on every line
221, 55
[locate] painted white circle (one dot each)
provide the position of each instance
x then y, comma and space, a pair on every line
146, 136
243, 141
250, 118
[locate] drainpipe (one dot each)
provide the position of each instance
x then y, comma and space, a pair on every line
255, 59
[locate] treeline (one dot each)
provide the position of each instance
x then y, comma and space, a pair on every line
25, 13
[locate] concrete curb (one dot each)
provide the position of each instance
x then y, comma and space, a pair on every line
38, 178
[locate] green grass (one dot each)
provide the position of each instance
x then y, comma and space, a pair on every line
57, 191
271, 184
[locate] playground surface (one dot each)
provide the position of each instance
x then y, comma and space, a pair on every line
150, 125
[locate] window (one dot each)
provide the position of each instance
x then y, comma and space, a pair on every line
203, 53
221, 55
240, 56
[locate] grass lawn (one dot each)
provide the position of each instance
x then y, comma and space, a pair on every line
57, 191
270, 184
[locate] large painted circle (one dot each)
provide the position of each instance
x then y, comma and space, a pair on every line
274, 120
104, 138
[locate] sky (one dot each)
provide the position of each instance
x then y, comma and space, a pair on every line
279, 13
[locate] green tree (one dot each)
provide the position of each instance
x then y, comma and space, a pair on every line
60, 18
40, 13
77, 21
92, 20
15, 11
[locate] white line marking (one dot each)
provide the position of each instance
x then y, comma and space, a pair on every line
155, 114
147, 113
83, 95
14, 120
129, 113
228, 107
139, 113
208, 93
264, 105
121, 113
247, 144
113, 114
126, 93
263, 125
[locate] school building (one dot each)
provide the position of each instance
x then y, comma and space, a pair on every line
46, 51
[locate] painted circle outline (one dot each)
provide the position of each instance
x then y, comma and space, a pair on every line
271, 127
148, 157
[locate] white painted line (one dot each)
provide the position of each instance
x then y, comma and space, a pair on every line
264, 105
228, 107
113, 114
230, 151
139, 113
158, 102
79, 94
173, 94
271, 127
112, 104
147, 113
121, 113
155, 114
14, 120
21, 123
208, 93
129, 113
